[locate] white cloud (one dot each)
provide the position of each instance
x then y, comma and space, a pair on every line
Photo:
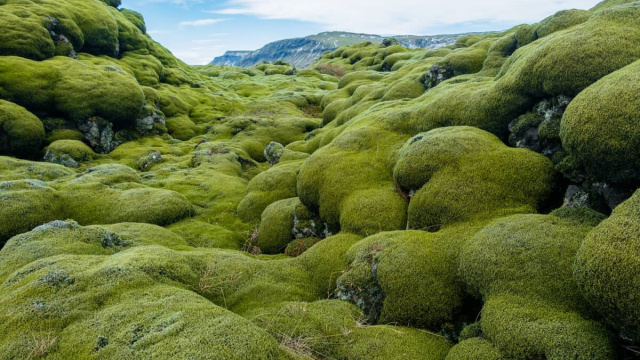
401, 16
201, 22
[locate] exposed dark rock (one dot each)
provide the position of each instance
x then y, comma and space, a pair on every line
99, 134
575, 197
436, 75
390, 42
539, 129
360, 285
273, 152
153, 124
307, 224
62, 159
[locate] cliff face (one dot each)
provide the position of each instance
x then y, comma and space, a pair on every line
301, 52
231, 58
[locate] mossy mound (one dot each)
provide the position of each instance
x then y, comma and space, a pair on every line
470, 166
21, 133
275, 230
406, 277
523, 328
95, 203
606, 146
68, 152
329, 179
474, 349
607, 265
522, 267
529, 255
25, 205
277, 183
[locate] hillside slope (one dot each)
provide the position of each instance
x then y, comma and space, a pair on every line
476, 201
302, 52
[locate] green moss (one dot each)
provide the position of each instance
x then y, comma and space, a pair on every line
425, 154
75, 149
391, 342
21, 133
607, 264
359, 76
135, 18
19, 199
276, 224
526, 34
523, 329
522, 267
182, 127
25, 35
118, 99
567, 62
14, 169
203, 234
474, 349
135, 313
406, 89
600, 130
529, 255
325, 261
499, 182
405, 277
95, 203
367, 212
562, 20
277, 183
467, 60
297, 247
353, 162
64, 134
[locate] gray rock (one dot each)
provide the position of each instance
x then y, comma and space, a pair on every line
58, 224
612, 195
99, 134
307, 224
539, 129
154, 124
273, 152
575, 197
436, 75
61, 159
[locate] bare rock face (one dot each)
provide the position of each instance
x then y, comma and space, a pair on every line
436, 75
99, 134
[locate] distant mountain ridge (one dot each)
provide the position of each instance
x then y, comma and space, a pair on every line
302, 52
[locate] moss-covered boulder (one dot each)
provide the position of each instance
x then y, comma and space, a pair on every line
463, 173
522, 329
277, 183
25, 205
600, 127
406, 277
607, 265
474, 349
21, 132
522, 267
68, 153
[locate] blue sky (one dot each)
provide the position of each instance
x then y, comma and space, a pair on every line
198, 30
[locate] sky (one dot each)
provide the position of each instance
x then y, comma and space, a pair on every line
196, 31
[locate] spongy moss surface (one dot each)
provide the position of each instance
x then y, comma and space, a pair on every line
396, 224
